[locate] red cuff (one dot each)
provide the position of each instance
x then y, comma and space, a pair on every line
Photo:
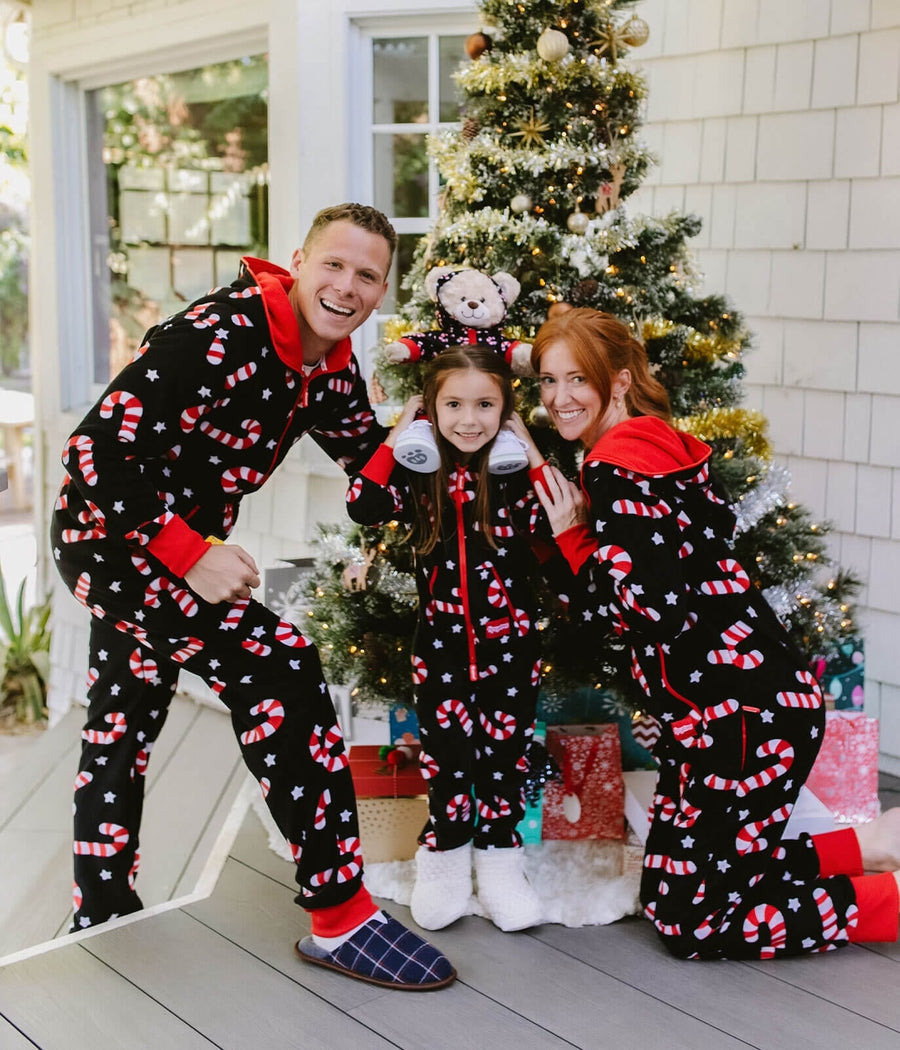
577, 545
341, 918
178, 546
380, 466
878, 901
838, 853
414, 349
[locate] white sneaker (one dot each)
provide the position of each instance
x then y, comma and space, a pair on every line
504, 890
508, 453
417, 449
443, 888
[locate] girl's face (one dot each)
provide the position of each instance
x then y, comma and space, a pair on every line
574, 404
468, 407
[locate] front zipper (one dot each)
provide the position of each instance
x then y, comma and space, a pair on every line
458, 500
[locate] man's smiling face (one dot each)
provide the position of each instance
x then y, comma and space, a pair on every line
339, 279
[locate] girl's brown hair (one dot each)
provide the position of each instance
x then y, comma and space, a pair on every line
433, 488
602, 346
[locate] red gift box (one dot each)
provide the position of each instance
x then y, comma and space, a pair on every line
845, 773
590, 801
374, 777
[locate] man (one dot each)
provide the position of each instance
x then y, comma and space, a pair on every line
215, 397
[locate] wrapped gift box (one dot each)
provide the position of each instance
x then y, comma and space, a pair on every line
531, 825
591, 705
842, 673
589, 803
403, 724
845, 773
392, 803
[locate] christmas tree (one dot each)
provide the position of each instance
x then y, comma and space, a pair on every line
536, 180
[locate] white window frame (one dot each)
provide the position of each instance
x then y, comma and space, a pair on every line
362, 129
75, 255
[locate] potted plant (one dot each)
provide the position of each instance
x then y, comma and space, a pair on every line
24, 656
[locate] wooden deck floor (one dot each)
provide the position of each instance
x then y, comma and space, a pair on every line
220, 971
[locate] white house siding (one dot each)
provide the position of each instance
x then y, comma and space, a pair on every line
778, 123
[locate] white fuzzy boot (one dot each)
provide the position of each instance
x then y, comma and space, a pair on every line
504, 890
443, 887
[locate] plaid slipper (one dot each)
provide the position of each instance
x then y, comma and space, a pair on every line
384, 953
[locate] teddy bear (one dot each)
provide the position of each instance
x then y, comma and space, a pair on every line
471, 307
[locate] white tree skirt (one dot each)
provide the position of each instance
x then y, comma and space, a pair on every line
579, 882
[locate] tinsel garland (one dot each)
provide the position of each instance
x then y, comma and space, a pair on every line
697, 346
727, 423
769, 492
526, 70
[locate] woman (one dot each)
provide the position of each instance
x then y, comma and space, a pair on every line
742, 717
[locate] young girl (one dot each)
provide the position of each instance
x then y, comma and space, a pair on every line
475, 661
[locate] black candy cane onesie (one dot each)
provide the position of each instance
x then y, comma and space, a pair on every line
476, 666
211, 404
741, 715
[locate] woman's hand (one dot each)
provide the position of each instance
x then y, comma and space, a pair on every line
515, 424
224, 574
410, 410
563, 500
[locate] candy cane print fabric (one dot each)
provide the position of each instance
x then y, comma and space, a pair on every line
740, 714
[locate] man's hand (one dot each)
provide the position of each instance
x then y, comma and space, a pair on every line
225, 573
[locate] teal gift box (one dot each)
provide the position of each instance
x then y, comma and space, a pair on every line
403, 725
842, 674
532, 822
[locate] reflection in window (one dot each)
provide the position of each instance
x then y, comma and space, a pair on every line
413, 95
179, 192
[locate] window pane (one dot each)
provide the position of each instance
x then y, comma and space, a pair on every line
400, 80
179, 184
396, 295
452, 55
401, 175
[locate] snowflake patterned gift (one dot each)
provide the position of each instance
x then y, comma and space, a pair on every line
589, 803
845, 773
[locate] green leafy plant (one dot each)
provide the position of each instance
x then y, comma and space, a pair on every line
24, 656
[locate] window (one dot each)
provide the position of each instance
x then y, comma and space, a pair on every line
413, 94
178, 189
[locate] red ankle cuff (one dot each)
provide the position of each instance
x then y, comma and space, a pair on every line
338, 919
838, 853
878, 901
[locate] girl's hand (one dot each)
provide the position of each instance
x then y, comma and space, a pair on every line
410, 410
563, 501
515, 424
225, 573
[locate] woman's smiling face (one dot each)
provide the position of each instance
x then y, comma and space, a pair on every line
575, 405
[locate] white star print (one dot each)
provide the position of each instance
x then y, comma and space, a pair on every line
266, 394
657, 538
766, 716
204, 391
794, 904
696, 676
723, 865
297, 792
110, 796
152, 375
118, 506
106, 874
222, 333
269, 760
159, 427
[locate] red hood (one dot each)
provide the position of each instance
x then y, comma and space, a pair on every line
647, 445
275, 283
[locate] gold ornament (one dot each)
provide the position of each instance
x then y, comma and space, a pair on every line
531, 130
477, 44
552, 45
635, 32
520, 203
578, 222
